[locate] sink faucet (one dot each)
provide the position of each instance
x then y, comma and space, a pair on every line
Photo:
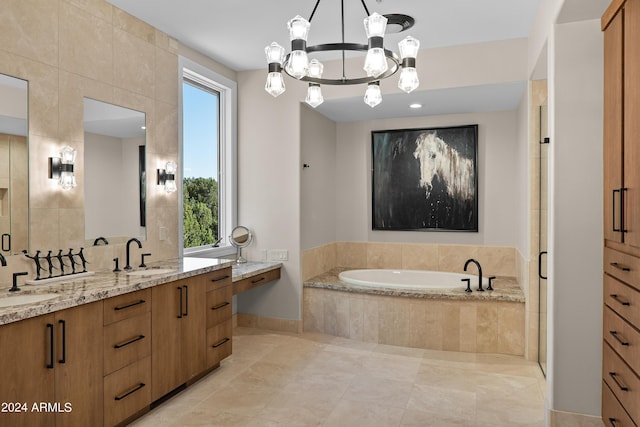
466, 264
133, 239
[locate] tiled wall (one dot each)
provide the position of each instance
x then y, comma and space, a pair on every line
495, 260
70, 49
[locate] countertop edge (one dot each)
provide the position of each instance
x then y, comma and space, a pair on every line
107, 284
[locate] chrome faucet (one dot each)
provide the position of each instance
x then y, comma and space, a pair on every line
466, 264
133, 239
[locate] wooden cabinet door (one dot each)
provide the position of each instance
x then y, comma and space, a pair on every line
25, 352
193, 325
632, 121
613, 183
79, 365
166, 351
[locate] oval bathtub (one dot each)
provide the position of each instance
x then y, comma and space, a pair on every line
408, 279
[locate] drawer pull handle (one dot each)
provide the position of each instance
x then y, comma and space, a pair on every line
131, 341
615, 379
620, 266
219, 306
220, 278
258, 280
133, 390
219, 343
51, 352
620, 340
122, 307
613, 422
619, 300
64, 341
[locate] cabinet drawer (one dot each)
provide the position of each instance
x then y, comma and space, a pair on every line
126, 342
218, 279
623, 338
218, 343
613, 414
219, 303
127, 391
622, 266
622, 299
126, 306
257, 280
622, 381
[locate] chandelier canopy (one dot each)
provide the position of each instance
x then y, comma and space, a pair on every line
379, 63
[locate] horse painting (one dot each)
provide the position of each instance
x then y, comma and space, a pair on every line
425, 179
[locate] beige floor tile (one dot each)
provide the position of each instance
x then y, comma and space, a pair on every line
310, 379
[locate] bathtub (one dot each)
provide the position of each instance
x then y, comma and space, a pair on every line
408, 279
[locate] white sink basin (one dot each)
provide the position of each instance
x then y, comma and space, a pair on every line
151, 272
25, 299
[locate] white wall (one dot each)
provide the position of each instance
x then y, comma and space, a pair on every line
497, 189
575, 217
522, 162
318, 181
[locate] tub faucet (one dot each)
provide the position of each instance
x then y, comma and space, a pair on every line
466, 264
133, 239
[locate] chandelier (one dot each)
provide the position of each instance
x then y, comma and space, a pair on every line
379, 63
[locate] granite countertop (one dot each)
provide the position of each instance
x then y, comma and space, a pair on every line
75, 291
505, 289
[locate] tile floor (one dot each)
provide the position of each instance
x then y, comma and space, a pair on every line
278, 379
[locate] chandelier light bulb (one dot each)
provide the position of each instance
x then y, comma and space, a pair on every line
408, 52
275, 84
298, 28
373, 95
375, 62
314, 95
315, 69
298, 64
409, 47
375, 25
274, 53
408, 79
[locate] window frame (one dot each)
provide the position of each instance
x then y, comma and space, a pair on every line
227, 156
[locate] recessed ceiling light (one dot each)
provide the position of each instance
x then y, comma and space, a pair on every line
415, 105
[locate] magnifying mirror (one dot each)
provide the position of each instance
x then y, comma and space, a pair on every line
240, 238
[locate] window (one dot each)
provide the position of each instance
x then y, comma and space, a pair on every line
208, 152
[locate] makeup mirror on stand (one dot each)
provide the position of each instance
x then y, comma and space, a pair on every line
240, 237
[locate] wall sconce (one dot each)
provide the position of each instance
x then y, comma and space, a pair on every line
167, 177
61, 168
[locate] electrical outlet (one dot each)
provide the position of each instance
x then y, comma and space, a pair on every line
278, 254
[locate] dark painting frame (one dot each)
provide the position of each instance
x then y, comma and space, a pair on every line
425, 179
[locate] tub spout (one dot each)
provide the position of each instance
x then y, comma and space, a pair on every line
466, 264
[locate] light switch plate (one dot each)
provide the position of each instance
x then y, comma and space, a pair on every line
278, 254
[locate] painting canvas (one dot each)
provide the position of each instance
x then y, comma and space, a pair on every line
425, 179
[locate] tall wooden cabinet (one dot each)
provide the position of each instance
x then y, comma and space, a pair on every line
57, 363
178, 334
621, 155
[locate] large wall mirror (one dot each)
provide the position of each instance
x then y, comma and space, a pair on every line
115, 170
14, 165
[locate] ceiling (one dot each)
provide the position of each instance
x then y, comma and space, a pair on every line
234, 33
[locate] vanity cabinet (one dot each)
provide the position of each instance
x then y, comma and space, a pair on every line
219, 308
178, 334
127, 355
56, 365
621, 155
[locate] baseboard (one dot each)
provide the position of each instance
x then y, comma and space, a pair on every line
571, 419
268, 323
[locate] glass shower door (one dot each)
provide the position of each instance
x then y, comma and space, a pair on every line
542, 240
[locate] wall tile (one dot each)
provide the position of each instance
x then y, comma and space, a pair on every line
86, 44
351, 254
133, 63
371, 320
468, 324
384, 255
511, 329
166, 75
129, 23
43, 234
420, 257
28, 34
497, 261
452, 258
313, 310
487, 327
99, 9
356, 317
